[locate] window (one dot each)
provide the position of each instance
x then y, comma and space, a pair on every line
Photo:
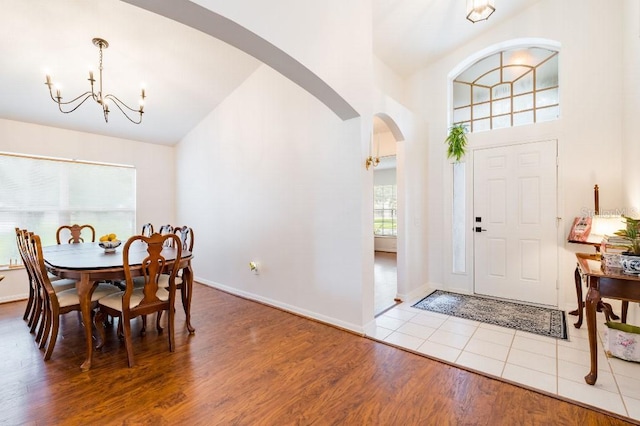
40, 194
385, 221
509, 88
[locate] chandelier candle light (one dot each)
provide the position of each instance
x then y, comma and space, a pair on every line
479, 10
98, 96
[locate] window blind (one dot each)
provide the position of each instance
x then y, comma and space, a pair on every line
41, 194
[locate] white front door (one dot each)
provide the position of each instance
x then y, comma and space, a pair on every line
515, 225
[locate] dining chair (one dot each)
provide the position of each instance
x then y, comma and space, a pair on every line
36, 300
56, 303
30, 310
186, 237
141, 301
75, 232
164, 230
147, 229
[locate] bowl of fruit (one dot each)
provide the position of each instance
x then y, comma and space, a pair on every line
109, 243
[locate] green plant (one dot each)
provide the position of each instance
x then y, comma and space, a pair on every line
456, 141
631, 234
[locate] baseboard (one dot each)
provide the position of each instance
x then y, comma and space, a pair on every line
14, 298
284, 306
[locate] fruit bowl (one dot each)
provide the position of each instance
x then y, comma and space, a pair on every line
110, 246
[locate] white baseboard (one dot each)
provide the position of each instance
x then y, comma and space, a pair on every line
283, 306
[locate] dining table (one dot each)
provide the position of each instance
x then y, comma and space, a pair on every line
88, 264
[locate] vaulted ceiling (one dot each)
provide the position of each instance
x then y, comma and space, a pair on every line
186, 73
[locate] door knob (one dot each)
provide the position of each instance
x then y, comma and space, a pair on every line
479, 229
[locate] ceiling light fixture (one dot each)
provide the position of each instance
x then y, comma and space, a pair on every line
480, 10
98, 96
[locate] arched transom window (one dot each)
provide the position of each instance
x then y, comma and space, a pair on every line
509, 88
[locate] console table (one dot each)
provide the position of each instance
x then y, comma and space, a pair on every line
604, 282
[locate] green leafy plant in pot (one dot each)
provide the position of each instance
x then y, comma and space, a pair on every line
456, 141
630, 259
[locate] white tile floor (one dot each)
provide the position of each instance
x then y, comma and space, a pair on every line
555, 366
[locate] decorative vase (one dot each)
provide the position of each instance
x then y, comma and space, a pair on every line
630, 263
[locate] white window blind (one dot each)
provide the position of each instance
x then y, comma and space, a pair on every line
41, 194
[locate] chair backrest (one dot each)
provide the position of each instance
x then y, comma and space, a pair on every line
147, 229
164, 230
75, 231
153, 266
21, 241
27, 253
186, 237
35, 258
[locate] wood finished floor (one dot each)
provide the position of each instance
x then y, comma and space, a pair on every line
249, 364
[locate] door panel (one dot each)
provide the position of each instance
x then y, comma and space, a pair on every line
515, 193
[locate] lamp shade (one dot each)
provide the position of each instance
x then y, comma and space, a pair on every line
480, 10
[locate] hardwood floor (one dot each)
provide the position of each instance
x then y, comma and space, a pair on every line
386, 281
249, 364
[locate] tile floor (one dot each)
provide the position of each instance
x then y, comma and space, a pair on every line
554, 366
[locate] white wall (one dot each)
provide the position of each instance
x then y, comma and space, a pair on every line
589, 131
155, 174
275, 177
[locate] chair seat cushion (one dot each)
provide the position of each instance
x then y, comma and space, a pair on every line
70, 297
52, 277
63, 284
114, 301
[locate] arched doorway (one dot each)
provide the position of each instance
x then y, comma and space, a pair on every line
386, 212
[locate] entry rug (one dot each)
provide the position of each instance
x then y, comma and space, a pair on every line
532, 319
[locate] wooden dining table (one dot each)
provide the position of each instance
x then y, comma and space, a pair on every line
88, 264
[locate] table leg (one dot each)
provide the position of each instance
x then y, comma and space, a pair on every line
578, 312
593, 297
187, 290
625, 309
85, 288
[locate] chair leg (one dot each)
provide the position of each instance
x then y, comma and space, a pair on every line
28, 309
143, 330
44, 332
98, 320
171, 327
126, 326
55, 319
38, 312
158, 318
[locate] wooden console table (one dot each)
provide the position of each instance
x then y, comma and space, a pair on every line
608, 282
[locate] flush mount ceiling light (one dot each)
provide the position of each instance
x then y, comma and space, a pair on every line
480, 10
99, 96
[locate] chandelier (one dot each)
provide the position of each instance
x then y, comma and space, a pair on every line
98, 96
479, 10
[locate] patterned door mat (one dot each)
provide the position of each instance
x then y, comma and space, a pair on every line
518, 316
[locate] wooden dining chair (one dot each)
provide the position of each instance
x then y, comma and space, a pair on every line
147, 229
141, 301
75, 233
32, 310
36, 302
56, 303
186, 236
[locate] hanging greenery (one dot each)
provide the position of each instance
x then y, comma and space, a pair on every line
457, 141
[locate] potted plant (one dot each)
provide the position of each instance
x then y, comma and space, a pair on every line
457, 141
630, 259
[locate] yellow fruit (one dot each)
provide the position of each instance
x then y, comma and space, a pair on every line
112, 237
104, 238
